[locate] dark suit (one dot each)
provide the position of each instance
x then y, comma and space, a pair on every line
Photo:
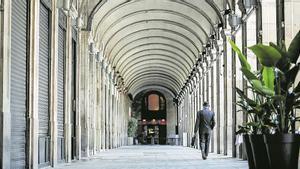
205, 123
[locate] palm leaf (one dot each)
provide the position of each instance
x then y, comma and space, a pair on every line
267, 55
284, 62
268, 77
242, 57
294, 48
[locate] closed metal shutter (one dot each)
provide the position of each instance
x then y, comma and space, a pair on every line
60, 91
18, 83
43, 104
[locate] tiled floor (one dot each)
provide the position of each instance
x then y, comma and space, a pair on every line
155, 157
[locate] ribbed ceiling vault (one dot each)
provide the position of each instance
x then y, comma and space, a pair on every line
155, 43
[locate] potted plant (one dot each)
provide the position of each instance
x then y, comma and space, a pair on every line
252, 132
244, 130
283, 145
279, 96
132, 128
257, 109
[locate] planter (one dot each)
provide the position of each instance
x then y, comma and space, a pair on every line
259, 152
135, 141
251, 163
130, 141
283, 150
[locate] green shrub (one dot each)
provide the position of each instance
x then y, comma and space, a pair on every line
132, 127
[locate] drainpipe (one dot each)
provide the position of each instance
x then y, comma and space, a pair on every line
233, 68
280, 25
258, 26
176, 128
1, 6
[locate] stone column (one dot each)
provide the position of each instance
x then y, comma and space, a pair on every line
84, 92
111, 111
33, 85
94, 103
79, 92
98, 111
103, 136
89, 103
53, 84
107, 110
123, 120
68, 92
225, 99
111, 86
218, 105
114, 117
119, 121
5, 55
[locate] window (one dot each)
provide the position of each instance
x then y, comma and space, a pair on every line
153, 102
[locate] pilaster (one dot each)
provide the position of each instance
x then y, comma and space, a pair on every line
5, 53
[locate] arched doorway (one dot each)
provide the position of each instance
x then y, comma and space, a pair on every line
154, 118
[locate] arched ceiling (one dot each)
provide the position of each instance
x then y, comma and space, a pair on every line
155, 43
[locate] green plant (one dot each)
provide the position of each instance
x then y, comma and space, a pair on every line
257, 108
274, 96
132, 127
287, 70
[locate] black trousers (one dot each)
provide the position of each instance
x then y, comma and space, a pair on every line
204, 139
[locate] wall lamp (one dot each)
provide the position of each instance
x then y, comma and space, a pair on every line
249, 3
234, 20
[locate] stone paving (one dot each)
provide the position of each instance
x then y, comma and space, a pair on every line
155, 157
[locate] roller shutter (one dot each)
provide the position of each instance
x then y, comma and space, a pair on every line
60, 91
43, 102
18, 83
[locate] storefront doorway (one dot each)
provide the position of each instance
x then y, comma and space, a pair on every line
154, 118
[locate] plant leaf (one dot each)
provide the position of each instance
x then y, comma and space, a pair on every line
284, 62
268, 77
250, 102
297, 88
254, 111
253, 124
249, 75
258, 86
292, 74
278, 97
268, 91
267, 55
294, 48
297, 103
242, 57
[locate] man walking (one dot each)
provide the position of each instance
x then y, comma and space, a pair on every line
205, 122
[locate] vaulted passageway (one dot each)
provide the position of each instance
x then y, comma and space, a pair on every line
76, 75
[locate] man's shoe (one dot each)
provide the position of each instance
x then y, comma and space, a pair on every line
203, 155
